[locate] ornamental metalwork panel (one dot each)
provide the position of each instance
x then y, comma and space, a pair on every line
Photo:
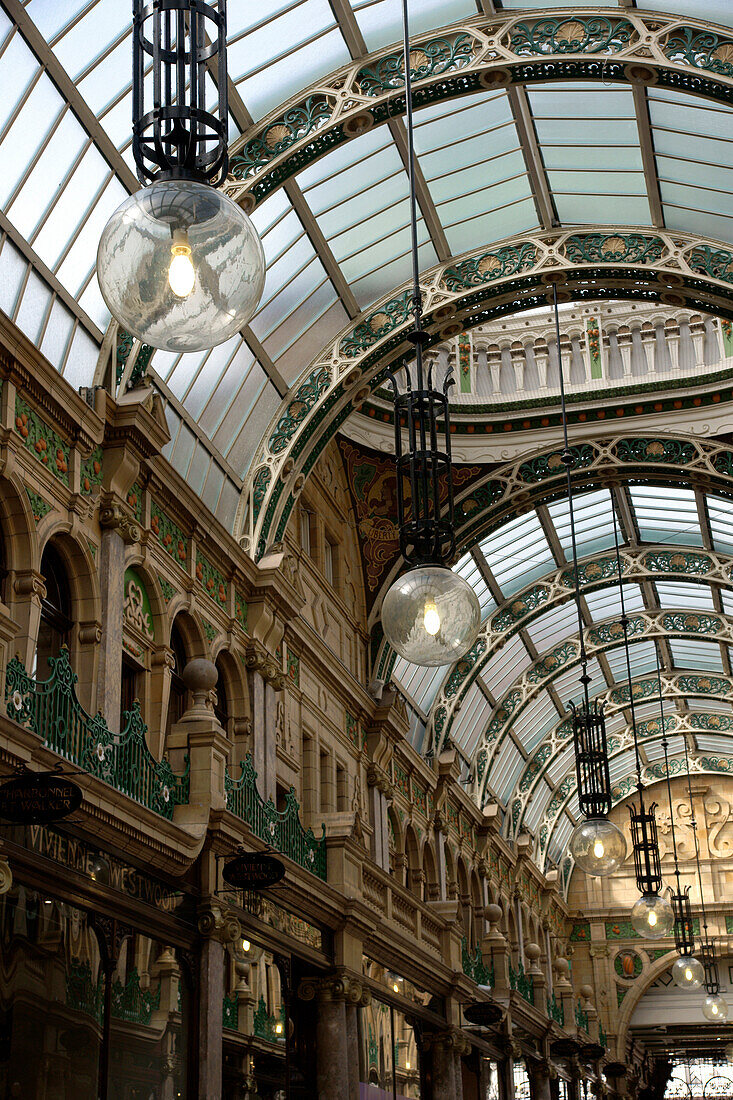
282, 830
521, 982
556, 1010
474, 966
51, 710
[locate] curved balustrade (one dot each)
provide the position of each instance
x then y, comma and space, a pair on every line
51, 710
281, 830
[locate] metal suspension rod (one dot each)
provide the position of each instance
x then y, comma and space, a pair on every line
568, 462
625, 625
417, 295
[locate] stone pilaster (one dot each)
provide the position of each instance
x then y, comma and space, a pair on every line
337, 998
265, 679
380, 795
540, 1075
217, 927
118, 529
446, 1050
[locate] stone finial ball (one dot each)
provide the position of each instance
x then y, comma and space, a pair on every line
562, 966
586, 991
200, 675
532, 951
493, 913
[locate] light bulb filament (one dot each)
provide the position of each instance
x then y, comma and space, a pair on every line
688, 974
431, 618
181, 272
598, 850
652, 919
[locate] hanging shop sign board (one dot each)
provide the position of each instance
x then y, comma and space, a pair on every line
253, 871
38, 798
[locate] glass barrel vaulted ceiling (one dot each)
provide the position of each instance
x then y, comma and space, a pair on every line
491, 164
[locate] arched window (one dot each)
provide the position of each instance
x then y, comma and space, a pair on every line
56, 620
178, 692
221, 710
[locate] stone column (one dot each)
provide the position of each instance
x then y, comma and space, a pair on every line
337, 1056
380, 794
264, 679
539, 1077
217, 927
118, 529
444, 1067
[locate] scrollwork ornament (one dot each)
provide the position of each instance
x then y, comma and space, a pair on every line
6, 877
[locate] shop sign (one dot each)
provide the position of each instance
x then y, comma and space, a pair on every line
253, 871
38, 798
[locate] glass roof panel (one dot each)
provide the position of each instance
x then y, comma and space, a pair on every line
727, 597
18, 67
654, 750
505, 666
567, 686
593, 521
471, 719
537, 719
719, 706
676, 594
720, 744
518, 553
380, 21
469, 570
560, 838
540, 797
577, 124
605, 603
643, 656
666, 514
688, 653
553, 626
720, 513
419, 683
717, 11
505, 770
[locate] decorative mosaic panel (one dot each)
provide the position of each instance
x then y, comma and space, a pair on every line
166, 588
39, 506
580, 932
620, 930
169, 534
211, 580
241, 610
135, 500
419, 798
42, 441
352, 732
293, 672
91, 471
628, 965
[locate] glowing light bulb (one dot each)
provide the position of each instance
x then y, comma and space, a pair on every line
431, 619
181, 273
652, 919
396, 987
714, 1009
407, 1065
598, 850
246, 945
688, 974
278, 1029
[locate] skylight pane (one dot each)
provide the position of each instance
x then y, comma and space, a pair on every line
720, 513
605, 603
567, 685
643, 658
468, 728
677, 594
666, 514
469, 570
536, 720
716, 745
535, 810
654, 750
506, 665
518, 553
708, 703
593, 516
505, 770
553, 626
688, 653
380, 21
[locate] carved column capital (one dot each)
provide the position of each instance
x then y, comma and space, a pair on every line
599, 951
216, 922
114, 517
449, 1040
30, 583
378, 778
6, 876
335, 987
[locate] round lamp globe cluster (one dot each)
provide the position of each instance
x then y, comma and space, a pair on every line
598, 846
431, 616
180, 266
652, 917
688, 973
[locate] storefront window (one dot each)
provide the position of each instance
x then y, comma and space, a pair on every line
492, 1081
395, 983
51, 998
389, 1065
521, 1082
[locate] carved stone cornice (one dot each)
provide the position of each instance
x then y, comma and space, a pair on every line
216, 922
114, 517
335, 987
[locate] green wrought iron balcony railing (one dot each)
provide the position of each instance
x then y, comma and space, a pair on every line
51, 710
522, 982
474, 966
283, 831
581, 1018
271, 1028
556, 1010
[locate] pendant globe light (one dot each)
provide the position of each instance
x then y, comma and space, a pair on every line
179, 264
687, 971
652, 915
597, 845
430, 615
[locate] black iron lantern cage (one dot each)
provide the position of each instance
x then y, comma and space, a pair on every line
684, 935
174, 136
426, 526
645, 844
591, 758
710, 965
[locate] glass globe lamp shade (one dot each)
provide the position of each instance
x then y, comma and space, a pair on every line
431, 616
688, 973
597, 846
180, 266
715, 1009
652, 917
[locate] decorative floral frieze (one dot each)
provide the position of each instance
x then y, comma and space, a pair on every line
616, 248
259, 489
240, 610
551, 465
135, 500
400, 779
169, 534
293, 670
387, 317
299, 408
41, 440
677, 561
620, 930
509, 260
352, 732
700, 49
594, 34
166, 588
39, 507
91, 471
580, 932
674, 452
209, 630
419, 798
211, 580
530, 601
